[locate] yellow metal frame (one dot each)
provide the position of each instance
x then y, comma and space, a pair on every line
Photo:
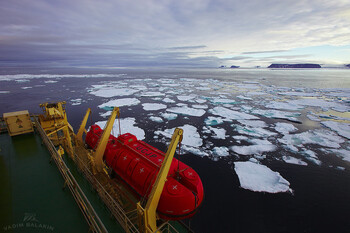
82, 126
148, 214
54, 120
98, 155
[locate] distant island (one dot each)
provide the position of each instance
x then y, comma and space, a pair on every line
232, 67
294, 66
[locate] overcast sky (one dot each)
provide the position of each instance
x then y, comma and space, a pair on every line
181, 33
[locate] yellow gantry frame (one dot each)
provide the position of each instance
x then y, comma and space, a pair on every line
54, 120
148, 213
82, 126
98, 155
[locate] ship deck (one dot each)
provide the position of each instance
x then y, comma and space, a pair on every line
35, 195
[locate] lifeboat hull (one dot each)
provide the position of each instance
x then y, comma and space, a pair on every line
138, 164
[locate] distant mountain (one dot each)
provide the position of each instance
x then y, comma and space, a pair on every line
233, 67
348, 65
294, 66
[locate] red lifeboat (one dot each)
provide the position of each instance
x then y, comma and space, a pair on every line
138, 164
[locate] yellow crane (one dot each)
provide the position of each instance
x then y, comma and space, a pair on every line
55, 120
147, 214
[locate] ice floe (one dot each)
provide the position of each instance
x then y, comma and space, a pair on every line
156, 119
220, 151
244, 97
213, 121
152, 94
107, 91
253, 123
253, 131
219, 133
292, 160
343, 129
231, 114
291, 116
259, 178
153, 106
4, 92
169, 116
76, 101
323, 104
322, 137
295, 93
259, 146
119, 103
342, 153
127, 126
185, 97
285, 128
203, 106
184, 110
283, 105
51, 81
311, 156
168, 100
190, 137
222, 101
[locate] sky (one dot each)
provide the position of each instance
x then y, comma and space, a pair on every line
179, 33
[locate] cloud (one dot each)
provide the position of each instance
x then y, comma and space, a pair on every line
189, 47
271, 51
201, 32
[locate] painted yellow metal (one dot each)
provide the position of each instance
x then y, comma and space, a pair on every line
54, 121
82, 126
18, 122
98, 155
148, 214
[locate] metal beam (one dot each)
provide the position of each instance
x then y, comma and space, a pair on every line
98, 155
82, 125
149, 212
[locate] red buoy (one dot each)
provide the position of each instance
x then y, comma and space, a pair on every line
138, 164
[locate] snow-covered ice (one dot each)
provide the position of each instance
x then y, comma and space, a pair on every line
219, 133
321, 137
259, 146
76, 101
231, 114
156, 119
213, 121
108, 91
285, 128
342, 153
190, 137
253, 131
168, 100
127, 126
292, 160
169, 116
185, 97
187, 111
153, 106
343, 129
292, 116
221, 151
259, 178
253, 123
222, 101
119, 103
152, 94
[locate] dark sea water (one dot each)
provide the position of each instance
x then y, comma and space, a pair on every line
321, 189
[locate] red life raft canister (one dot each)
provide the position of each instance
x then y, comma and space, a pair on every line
138, 164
